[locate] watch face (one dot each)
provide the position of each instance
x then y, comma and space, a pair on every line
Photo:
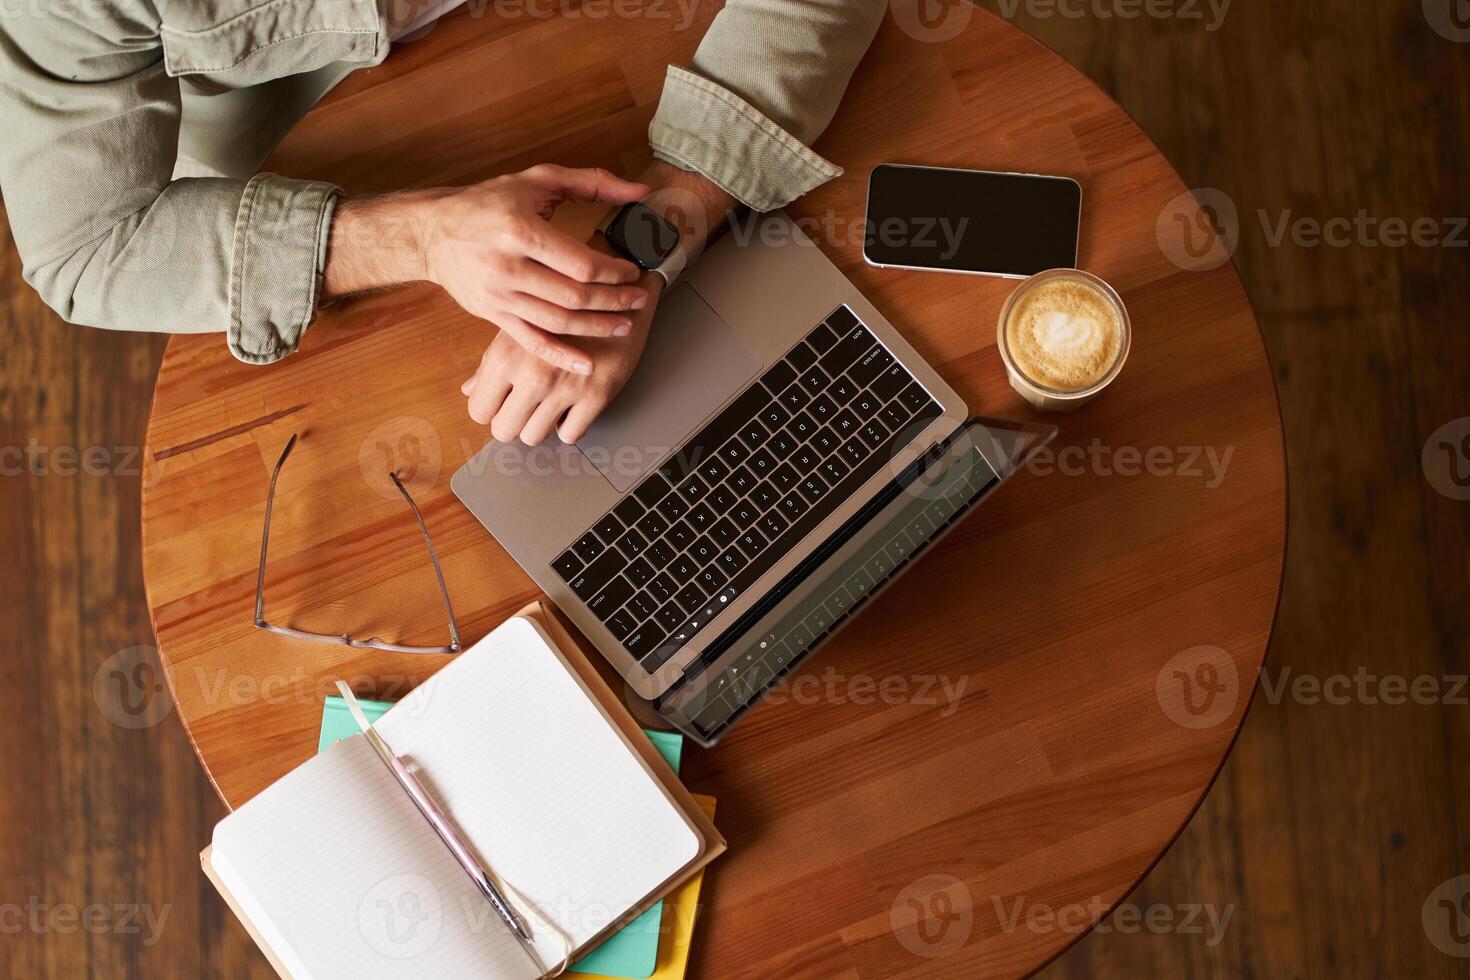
642, 235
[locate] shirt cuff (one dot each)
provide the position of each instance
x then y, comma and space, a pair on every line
705, 127
279, 255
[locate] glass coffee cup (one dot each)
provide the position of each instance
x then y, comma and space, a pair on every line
1063, 335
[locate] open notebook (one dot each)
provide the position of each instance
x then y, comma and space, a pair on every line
338, 875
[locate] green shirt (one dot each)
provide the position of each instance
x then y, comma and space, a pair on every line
99, 100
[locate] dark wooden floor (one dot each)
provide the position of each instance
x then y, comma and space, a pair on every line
1331, 824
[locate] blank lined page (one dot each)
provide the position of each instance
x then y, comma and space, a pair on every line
345, 878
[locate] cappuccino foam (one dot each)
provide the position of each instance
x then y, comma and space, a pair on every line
1064, 334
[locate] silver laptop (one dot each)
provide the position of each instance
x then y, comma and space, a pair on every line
772, 407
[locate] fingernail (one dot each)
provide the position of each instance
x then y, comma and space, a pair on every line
582, 367
622, 329
640, 302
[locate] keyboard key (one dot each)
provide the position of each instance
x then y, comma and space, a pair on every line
874, 434
620, 624
632, 543
753, 434
825, 442
793, 507
853, 345
805, 459
842, 390
690, 598
662, 587
814, 488
762, 462
795, 398
822, 408
713, 471
870, 365
682, 569
721, 499
701, 518
778, 377
639, 572
772, 524
821, 339
590, 580
704, 551
642, 642
893, 380
802, 426
751, 542
864, 406
833, 470
846, 423
680, 535
765, 496
742, 481
801, 357
588, 547
609, 528
913, 397
894, 415
652, 525
855, 451
744, 515
642, 605
693, 488
673, 507
774, 416
734, 453
842, 320
782, 444
652, 490
814, 380
611, 598
711, 579
568, 565
732, 560
628, 510
785, 477
669, 616
724, 532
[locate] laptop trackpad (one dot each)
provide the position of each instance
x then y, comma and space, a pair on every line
693, 363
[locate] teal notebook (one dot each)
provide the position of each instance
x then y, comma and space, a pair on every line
633, 950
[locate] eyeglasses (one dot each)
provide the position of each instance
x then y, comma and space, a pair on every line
344, 639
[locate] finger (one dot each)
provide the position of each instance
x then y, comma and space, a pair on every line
488, 395
544, 419
579, 418
587, 184
559, 290
468, 387
558, 353
576, 323
507, 424
558, 250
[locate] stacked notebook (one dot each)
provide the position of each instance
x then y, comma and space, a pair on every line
337, 874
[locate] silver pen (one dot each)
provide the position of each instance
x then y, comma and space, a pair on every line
441, 823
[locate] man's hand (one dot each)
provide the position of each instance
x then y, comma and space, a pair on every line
492, 248
520, 396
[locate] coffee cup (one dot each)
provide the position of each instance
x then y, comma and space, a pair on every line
1063, 335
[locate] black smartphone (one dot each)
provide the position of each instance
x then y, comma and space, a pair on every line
973, 221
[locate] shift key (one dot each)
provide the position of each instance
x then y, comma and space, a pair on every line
596, 575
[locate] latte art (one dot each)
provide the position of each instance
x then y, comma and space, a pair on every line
1064, 334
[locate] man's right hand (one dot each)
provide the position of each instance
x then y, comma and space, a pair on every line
492, 248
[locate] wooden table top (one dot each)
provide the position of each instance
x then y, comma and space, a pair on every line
1009, 737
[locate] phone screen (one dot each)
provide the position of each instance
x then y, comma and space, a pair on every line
971, 220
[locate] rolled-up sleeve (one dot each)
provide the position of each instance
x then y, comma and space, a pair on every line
765, 82
91, 120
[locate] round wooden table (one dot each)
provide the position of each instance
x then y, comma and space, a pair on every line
1010, 737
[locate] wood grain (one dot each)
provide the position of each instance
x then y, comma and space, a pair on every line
1056, 777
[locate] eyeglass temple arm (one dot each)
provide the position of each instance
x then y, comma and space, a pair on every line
433, 559
265, 535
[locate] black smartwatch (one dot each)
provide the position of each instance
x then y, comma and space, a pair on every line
647, 239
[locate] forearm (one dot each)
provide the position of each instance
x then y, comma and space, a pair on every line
377, 242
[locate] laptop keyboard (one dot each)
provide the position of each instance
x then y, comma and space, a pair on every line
745, 489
